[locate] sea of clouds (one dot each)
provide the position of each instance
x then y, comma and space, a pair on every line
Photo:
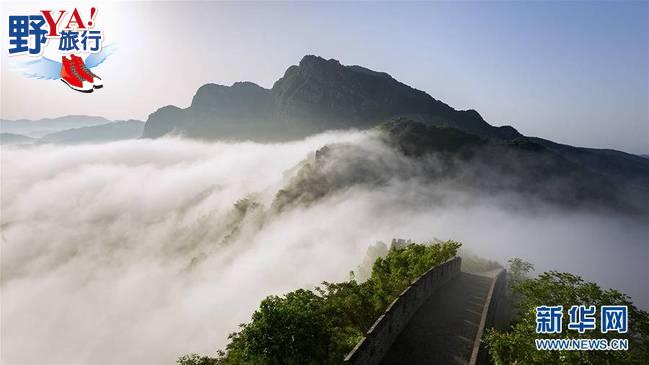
133, 252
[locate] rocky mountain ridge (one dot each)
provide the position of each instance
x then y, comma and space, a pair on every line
314, 96
319, 95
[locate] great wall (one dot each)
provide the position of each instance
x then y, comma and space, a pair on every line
440, 318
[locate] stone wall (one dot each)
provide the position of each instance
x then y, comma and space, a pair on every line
373, 347
495, 315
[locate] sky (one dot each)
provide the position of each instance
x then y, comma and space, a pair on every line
573, 72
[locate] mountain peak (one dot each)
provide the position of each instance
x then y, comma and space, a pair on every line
315, 95
313, 60
245, 85
317, 62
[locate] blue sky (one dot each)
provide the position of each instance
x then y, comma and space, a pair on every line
574, 72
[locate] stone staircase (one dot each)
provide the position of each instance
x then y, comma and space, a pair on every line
439, 319
444, 329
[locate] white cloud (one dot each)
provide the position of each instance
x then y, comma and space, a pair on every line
113, 254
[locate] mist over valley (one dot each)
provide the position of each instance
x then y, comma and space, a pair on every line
144, 249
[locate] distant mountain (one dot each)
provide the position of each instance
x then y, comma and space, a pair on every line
625, 167
114, 131
315, 96
39, 128
319, 95
15, 139
463, 162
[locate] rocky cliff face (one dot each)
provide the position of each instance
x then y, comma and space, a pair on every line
319, 95
312, 97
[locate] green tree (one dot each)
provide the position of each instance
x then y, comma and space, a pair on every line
288, 330
323, 325
519, 269
394, 272
364, 270
195, 359
517, 346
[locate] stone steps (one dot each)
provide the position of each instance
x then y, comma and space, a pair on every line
444, 329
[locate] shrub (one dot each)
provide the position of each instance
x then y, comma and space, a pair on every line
323, 325
517, 346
